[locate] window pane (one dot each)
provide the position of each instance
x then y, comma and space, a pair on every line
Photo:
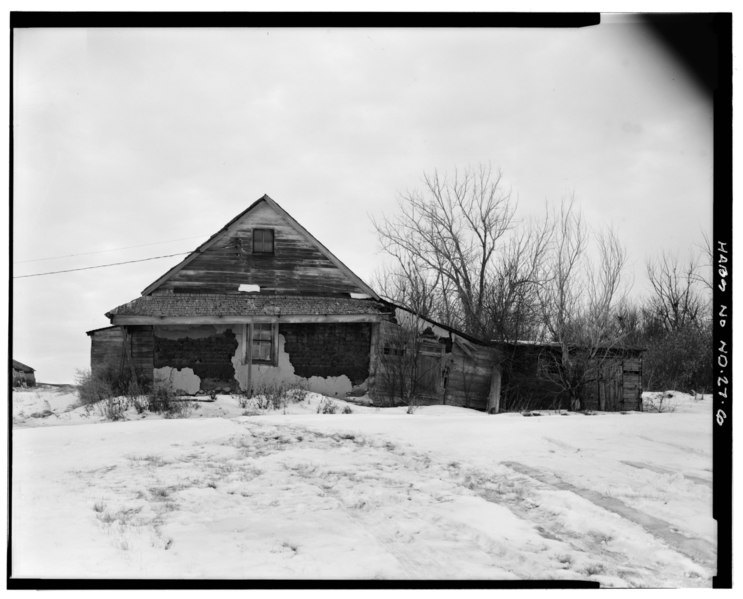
262, 332
262, 344
263, 241
261, 351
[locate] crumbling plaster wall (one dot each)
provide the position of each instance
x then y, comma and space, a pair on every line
176, 346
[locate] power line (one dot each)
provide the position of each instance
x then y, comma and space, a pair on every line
104, 251
56, 272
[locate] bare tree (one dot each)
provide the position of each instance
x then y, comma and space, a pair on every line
560, 294
579, 301
512, 297
410, 286
678, 324
675, 302
704, 270
449, 231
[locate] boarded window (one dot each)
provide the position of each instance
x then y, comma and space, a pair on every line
263, 241
262, 343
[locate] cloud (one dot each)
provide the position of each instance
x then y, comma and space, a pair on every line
126, 137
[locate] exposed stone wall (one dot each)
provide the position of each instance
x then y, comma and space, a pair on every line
205, 350
332, 359
328, 350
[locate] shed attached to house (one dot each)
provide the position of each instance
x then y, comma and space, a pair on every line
612, 381
441, 364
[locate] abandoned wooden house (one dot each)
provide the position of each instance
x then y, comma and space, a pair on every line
22, 375
262, 302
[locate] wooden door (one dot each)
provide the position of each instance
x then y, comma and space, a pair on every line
428, 380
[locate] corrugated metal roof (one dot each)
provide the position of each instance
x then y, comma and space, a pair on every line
207, 304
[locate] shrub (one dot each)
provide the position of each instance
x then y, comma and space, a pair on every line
681, 359
327, 406
113, 408
272, 396
163, 399
140, 403
109, 379
296, 395
179, 409
92, 389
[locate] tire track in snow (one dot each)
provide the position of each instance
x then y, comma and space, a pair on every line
658, 470
698, 550
513, 492
685, 448
398, 532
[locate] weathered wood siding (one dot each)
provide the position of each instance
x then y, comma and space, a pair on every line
117, 347
522, 387
297, 266
469, 376
106, 347
632, 383
21, 378
612, 383
453, 372
141, 350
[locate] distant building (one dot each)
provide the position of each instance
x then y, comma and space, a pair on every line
22, 375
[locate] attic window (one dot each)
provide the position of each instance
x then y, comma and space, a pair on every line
263, 241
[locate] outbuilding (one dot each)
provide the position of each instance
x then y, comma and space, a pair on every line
22, 375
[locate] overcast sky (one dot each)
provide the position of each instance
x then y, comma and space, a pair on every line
158, 137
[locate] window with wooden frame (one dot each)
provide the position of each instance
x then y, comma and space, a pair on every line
263, 241
260, 340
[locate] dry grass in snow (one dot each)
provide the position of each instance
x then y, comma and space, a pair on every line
444, 493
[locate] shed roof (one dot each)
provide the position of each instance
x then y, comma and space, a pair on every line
21, 367
225, 305
619, 347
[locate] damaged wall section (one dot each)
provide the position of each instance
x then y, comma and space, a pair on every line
329, 358
329, 349
182, 353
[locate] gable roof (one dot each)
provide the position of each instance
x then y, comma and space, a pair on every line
20, 366
214, 239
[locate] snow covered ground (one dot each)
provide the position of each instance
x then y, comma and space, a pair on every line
443, 493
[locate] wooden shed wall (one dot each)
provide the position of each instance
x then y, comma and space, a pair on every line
116, 346
469, 376
613, 384
452, 375
141, 350
23, 378
106, 347
297, 266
